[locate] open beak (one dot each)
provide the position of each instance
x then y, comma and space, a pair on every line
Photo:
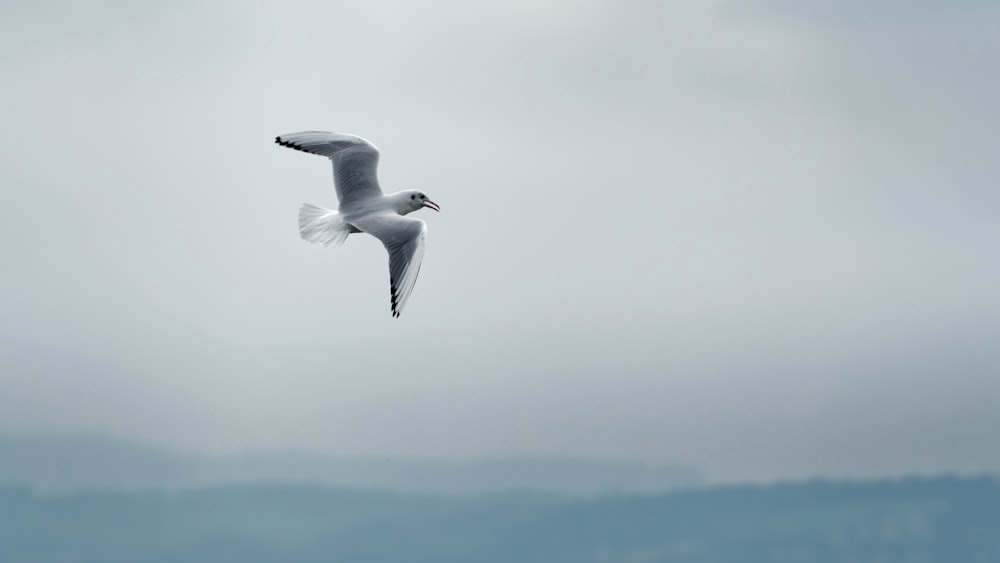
432, 205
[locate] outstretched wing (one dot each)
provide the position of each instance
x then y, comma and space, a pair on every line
355, 162
404, 238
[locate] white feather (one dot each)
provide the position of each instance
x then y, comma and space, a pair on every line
322, 226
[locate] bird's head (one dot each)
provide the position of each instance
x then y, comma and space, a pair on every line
416, 199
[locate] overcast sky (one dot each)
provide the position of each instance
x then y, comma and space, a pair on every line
759, 237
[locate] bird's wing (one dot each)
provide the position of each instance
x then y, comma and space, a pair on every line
404, 238
355, 161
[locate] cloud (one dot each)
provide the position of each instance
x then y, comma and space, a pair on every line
676, 232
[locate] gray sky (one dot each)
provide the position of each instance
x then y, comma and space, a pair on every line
759, 237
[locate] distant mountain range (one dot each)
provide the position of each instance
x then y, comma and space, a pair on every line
58, 463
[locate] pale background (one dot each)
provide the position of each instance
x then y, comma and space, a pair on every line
756, 237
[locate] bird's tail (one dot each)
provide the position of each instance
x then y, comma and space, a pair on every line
323, 226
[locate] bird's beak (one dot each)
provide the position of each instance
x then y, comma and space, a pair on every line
432, 205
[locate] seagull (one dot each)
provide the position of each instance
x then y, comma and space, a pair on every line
364, 208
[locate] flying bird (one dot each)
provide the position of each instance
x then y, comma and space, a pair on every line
364, 208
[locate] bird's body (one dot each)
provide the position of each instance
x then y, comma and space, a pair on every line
363, 208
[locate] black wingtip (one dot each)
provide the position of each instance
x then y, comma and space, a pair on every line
393, 298
290, 145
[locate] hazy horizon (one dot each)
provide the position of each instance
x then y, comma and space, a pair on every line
755, 237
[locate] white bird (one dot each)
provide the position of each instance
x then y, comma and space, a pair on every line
363, 208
